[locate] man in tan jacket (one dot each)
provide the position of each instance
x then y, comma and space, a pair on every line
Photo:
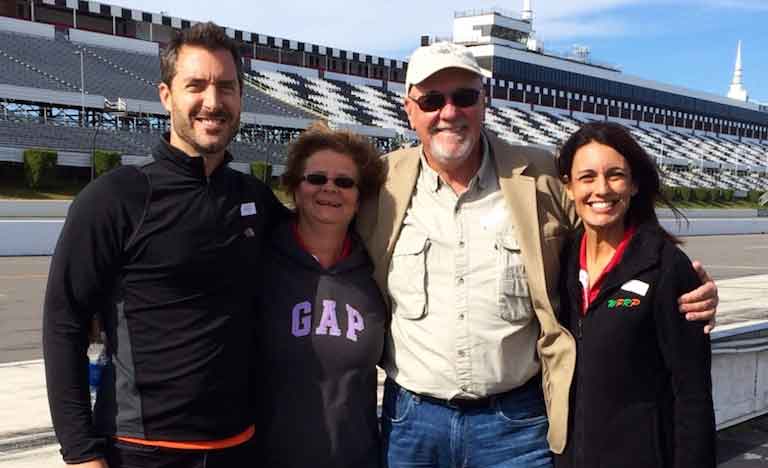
466, 235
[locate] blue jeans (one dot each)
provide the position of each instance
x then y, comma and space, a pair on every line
510, 432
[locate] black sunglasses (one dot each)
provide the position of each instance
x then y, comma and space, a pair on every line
432, 101
343, 182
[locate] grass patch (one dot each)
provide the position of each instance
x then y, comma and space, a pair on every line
19, 191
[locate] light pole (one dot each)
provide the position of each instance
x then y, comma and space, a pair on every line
82, 85
83, 118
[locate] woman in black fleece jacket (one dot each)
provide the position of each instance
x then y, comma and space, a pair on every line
642, 393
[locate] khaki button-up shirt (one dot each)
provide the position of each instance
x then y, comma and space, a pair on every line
462, 320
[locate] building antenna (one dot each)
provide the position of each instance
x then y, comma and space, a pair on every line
527, 11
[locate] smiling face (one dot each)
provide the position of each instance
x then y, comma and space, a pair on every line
601, 186
328, 203
203, 100
450, 134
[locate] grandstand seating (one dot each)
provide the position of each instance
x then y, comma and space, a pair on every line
55, 64
79, 139
686, 159
26, 135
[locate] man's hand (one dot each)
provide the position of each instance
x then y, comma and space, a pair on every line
97, 463
701, 303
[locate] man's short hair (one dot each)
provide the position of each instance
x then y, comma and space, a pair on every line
209, 36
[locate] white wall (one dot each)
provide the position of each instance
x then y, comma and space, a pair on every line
740, 375
114, 42
27, 27
29, 236
34, 208
716, 226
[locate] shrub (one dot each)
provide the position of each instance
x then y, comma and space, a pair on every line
727, 195
39, 167
702, 194
261, 170
105, 161
754, 196
683, 194
669, 192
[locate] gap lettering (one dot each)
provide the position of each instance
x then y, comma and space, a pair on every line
301, 320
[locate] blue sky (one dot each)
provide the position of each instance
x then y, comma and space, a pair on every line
689, 43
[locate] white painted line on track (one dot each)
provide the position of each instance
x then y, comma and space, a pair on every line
32, 220
21, 363
23, 277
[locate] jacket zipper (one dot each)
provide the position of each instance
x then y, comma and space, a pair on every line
579, 416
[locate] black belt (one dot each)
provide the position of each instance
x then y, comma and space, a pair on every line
462, 403
479, 403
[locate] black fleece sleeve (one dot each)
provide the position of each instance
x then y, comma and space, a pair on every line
687, 354
83, 272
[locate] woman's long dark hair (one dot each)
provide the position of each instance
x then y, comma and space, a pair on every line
645, 175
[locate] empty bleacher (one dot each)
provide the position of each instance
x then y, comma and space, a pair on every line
14, 134
32, 61
695, 160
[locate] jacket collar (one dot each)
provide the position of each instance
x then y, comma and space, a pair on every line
643, 252
512, 163
189, 165
284, 242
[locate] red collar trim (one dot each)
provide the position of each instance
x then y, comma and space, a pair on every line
346, 249
590, 294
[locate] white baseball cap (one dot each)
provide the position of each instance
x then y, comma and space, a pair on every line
428, 60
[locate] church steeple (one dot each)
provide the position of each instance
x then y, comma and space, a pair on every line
737, 90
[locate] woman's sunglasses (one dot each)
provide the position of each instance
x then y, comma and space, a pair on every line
432, 101
343, 182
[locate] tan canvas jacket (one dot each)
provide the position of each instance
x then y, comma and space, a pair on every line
543, 217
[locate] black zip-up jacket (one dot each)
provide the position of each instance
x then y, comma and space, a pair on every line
164, 256
642, 393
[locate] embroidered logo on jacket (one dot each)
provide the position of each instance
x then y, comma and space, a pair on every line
621, 302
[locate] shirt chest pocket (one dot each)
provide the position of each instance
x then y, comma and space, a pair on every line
407, 279
514, 299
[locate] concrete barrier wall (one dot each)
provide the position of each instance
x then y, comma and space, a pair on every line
29, 236
740, 374
716, 226
24, 229
739, 383
712, 213
34, 208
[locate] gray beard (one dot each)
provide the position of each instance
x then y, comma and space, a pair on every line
451, 159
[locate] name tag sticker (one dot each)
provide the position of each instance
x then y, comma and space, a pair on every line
636, 286
248, 209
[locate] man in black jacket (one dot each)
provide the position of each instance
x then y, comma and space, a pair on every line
164, 255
